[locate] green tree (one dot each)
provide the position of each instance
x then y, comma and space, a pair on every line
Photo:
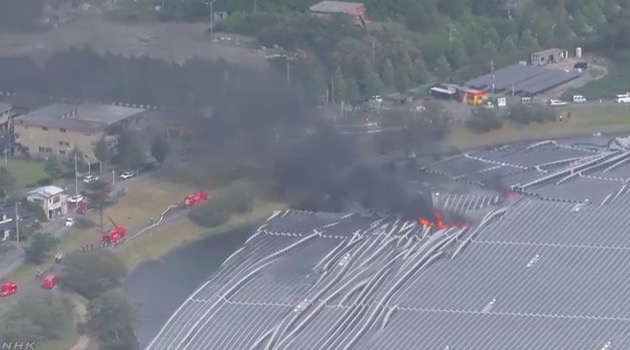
372, 84
42, 244
97, 193
53, 167
339, 86
388, 73
82, 165
442, 68
420, 71
93, 272
159, 149
484, 120
352, 93
509, 45
130, 153
112, 321
528, 41
102, 152
36, 318
214, 213
457, 55
7, 182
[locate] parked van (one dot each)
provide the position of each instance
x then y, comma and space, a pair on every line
623, 98
579, 99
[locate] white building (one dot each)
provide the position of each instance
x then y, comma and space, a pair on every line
51, 198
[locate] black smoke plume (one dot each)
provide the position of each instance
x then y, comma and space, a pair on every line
302, 154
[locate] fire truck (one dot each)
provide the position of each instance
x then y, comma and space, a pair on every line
50, 282
195, 198
114, 236
8, 289
83, 207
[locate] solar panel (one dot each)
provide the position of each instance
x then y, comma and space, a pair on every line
527, 274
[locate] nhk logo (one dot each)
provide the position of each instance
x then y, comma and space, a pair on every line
17, 345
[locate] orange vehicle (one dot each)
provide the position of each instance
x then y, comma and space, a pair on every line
195, 198
114, 236
50, 282
8, 289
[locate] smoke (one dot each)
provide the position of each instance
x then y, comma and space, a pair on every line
301, 155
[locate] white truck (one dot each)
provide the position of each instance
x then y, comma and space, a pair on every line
623, 98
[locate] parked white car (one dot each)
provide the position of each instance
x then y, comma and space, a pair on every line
89, 179
579, 99
557, 103
75, 199
127, 175
69, 222
623, 98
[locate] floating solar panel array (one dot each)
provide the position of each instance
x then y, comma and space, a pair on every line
521, 79
533, 271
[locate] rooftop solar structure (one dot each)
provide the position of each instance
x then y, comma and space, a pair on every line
580, 189
524, 272
548, 81
505, 77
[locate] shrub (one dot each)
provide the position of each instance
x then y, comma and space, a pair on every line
484, 120
531, 114
210, 215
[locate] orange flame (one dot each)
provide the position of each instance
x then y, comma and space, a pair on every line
439, 222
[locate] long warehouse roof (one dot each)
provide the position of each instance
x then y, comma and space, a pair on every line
538, 270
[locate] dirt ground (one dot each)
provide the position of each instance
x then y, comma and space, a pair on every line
174, 42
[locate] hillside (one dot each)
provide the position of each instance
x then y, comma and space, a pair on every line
413, 41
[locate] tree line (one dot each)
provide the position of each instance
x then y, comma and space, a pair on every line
81, 72
424, 41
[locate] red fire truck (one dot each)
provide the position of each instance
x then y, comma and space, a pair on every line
8, 289
114, 236
195, 198
50, 282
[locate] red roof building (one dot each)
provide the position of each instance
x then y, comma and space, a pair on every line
355, 10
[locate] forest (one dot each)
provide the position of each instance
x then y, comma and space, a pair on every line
411, 42
85, 74
406, 44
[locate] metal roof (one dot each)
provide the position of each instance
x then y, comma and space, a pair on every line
47, 191
529, 273
524, 79
89, 116
336, 7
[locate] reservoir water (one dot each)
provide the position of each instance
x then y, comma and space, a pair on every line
160, 287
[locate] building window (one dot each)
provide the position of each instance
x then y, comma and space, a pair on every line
56, 199
64, 143
62, 152
42, 150
63, 130
49, 150
88, 134
44, 128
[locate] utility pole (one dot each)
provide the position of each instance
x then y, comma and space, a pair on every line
373, 52
288, 71
113, 178
212, 17
492, 72
17, 226
6, 155
450, 32
76, 176
332, 89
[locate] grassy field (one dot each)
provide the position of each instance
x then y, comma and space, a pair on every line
69, 336
584, 120
617, 81
157, 244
